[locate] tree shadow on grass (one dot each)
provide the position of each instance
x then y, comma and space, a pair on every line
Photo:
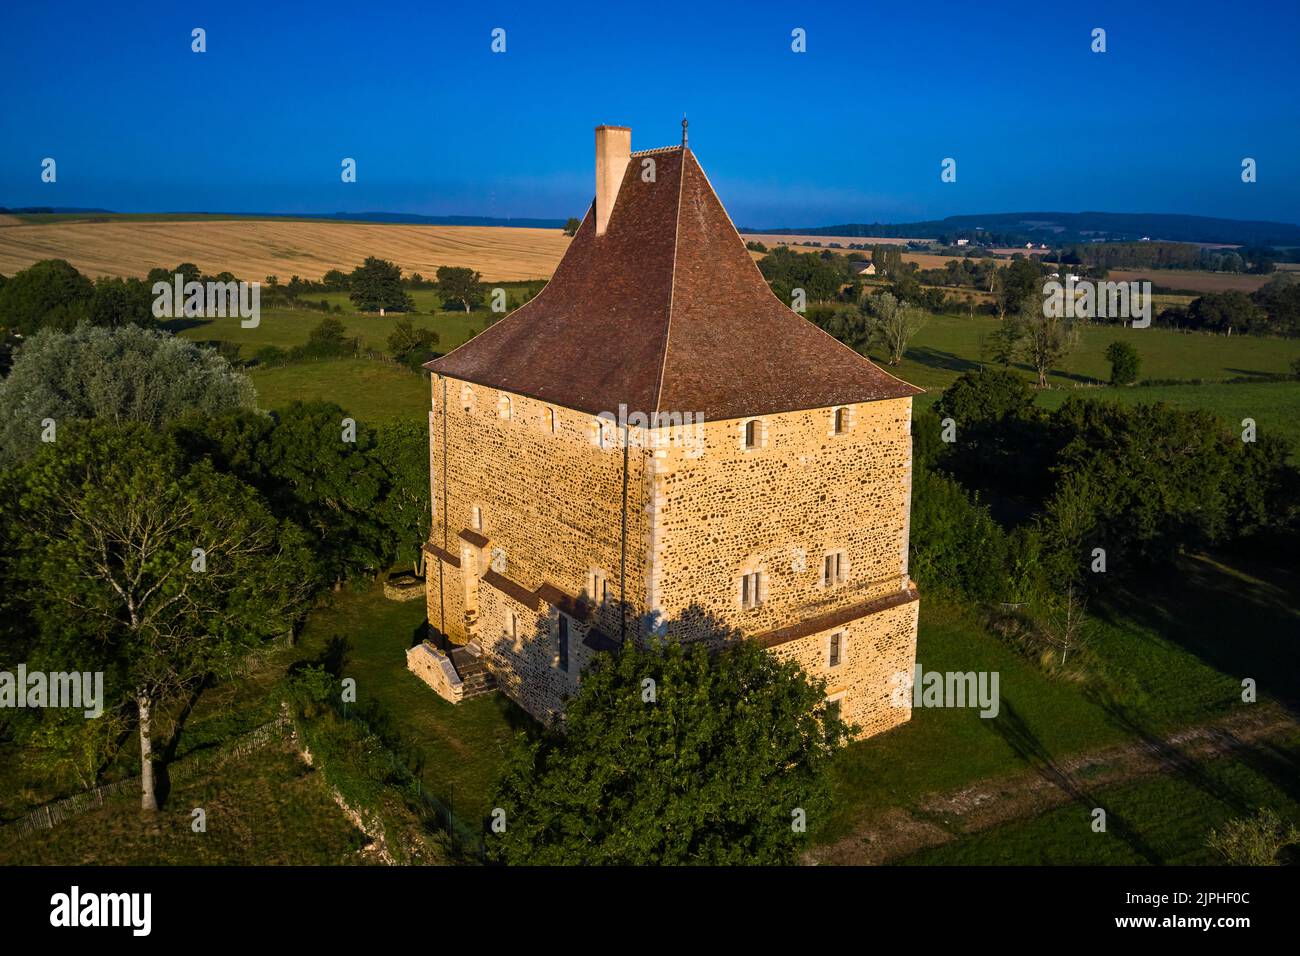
934, 358
332, 658
1013, 729
1239, 624
1170, 756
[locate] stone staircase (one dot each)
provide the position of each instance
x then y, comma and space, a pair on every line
475, 678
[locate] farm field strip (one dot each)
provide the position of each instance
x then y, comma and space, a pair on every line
254, 249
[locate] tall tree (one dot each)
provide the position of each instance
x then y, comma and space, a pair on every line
159, 571
377, 284
459, 286
893, 323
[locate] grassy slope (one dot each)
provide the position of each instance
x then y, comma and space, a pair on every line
265, 808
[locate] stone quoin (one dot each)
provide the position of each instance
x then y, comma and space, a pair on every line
565, 524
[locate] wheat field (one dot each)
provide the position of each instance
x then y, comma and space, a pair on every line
253, 249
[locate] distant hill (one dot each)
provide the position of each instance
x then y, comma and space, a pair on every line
1056, 228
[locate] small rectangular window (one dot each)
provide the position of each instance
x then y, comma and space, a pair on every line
477, 517
751, 433
834, 568
750, 595
597, 587
841, 420
837, 640
564, 643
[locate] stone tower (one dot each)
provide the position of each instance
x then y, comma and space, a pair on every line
657, 444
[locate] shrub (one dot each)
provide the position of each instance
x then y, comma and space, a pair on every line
1124, 363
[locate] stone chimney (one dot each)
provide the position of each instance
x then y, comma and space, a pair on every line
613, 153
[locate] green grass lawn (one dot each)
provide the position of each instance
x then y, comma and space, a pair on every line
368, 390
1158, 820
289, 327
950, 345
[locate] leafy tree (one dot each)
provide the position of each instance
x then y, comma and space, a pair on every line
1225, 312
48, 294
331, 487
377, 284
1017, 286
1124, 363
459, 285
1043, 340
985, 395
712, 771
328, 339
1001, 443
571, 226
118, 302
1149, 480
122, 374
893, 323
849, 325
101, 532
786, 271
336, 280
954, 542
411, 346
402, 449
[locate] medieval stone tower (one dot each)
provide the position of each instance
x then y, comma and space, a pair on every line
657, 444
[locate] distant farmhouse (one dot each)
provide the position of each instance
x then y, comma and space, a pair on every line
656, 445
864, 268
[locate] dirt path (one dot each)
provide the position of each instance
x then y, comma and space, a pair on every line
939, 818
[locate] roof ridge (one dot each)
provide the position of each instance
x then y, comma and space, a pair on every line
657, 149
672, 282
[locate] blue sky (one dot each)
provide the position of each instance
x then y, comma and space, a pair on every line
854, 129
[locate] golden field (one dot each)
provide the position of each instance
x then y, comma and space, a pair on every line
252, 249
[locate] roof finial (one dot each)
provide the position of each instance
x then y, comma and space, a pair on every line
683, 129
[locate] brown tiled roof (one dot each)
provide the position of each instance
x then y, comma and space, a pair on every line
666, 312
